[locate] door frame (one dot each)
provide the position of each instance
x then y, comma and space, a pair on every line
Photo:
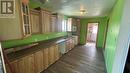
106, 31
97, 32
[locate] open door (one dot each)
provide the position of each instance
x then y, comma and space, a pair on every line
92, 31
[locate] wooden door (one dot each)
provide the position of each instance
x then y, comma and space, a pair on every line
46, 63
38, 61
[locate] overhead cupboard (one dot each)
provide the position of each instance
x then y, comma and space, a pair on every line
29, 21
17, 27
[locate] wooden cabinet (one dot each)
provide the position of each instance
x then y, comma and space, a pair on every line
7, 69
57, 53
46, 24
14, 66
59, 22
51, 55
17, 27
35, 21
54, 23
45, 17
23, 65
46, 60
38, 61
26, 64
70, 44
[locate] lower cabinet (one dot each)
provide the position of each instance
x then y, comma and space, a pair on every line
57, 53
7, 69
38, 61
51, 55
46, 60
25, 65
69, 44
14, 65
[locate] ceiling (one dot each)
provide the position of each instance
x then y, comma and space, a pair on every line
93, 8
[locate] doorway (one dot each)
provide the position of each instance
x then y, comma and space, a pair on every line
92, 31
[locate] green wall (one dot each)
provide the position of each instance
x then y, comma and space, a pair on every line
34, 4
112, 35
32, 39
101, 30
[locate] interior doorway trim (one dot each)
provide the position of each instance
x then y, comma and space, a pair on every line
96, 35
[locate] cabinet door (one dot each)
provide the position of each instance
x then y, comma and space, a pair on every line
46, 64
7, 69
29, 64
53, 23
21, 66
14, 66
56, 52
51, 55
46, 16
26, 64
47, 22
38, 61
25, 19
35, 21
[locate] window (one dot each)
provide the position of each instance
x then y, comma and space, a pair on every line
64, 25
69, 25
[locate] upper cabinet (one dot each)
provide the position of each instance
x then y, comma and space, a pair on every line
54, 23
17, 27
45, 20
25, 19
46, 24
27, 22
35, 21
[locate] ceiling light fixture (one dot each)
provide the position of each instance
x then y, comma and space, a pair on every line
83, 12
47, 0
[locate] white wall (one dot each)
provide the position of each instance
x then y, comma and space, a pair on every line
123, 40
